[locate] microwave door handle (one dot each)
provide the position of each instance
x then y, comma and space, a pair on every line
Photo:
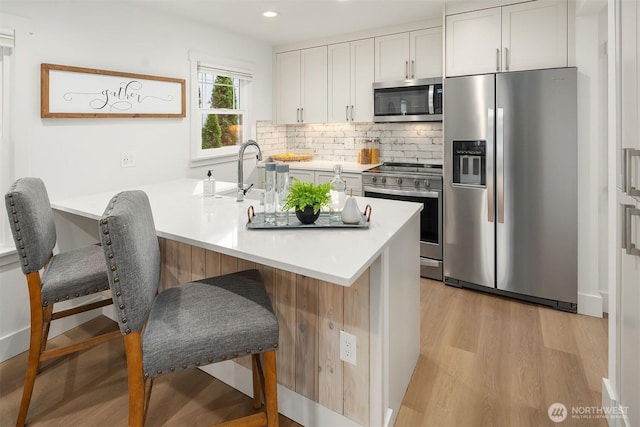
431, 91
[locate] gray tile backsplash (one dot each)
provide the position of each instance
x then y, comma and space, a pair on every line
399, 142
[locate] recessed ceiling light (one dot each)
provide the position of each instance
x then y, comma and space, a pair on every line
270, 14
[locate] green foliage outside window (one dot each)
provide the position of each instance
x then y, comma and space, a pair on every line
221, 129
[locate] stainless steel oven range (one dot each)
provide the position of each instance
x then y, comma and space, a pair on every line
419, 183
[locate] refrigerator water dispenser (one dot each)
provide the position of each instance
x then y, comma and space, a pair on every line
469, 162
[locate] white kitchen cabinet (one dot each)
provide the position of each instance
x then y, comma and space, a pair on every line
534, 35
288, 87
350, 68
353, 181
302, 175
426, 52
522, 36
472, 42
302, 86
409, 55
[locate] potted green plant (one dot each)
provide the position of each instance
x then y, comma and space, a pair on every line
307, 199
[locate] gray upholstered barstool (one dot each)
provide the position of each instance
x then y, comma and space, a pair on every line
67, 275
187, 326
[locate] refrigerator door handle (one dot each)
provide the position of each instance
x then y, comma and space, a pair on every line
500, 163
490, 182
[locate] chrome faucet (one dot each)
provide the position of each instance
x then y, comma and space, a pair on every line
241, 188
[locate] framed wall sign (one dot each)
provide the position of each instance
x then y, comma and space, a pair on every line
87, 93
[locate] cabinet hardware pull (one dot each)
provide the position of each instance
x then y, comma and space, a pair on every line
297, 115
497, 59
302, 115
413, 69
352, 113
346, 113
507, 58
406, 69
627, 238
629, 188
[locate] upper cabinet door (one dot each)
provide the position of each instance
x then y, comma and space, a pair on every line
313, 106
362, 66
339, 77
534, 35
392, 57
350, 81
288, 87
426, 53
473, 42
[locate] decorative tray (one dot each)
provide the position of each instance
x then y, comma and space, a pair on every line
256, 221
291, 157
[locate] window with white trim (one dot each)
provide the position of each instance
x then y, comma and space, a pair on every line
6, 143
220, 110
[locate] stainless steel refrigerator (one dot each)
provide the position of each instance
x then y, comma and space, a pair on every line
510, 196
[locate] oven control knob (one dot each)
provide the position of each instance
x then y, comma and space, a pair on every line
416, 182
427, 184
374, 179
383, 179
399, 180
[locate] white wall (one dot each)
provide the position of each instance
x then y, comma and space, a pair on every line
592, 266
80, 156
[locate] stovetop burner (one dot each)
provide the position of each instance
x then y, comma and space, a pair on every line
407, 168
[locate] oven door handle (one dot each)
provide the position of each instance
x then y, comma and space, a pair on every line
426, 262
426, 194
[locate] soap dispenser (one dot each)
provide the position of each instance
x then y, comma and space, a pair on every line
209, 186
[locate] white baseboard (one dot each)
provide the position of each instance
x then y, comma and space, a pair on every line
605, 301
13, 344
590, 304
290, 404
609, 400
17, 342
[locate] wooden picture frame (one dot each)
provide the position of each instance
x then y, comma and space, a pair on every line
91, 93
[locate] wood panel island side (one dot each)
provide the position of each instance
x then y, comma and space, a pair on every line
321, 281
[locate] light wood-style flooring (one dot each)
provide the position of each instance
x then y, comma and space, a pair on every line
485, 361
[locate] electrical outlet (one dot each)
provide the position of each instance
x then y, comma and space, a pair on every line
348, 347
127, 159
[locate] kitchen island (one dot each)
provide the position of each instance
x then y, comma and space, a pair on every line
321, 281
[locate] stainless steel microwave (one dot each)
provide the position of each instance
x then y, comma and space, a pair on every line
417, 100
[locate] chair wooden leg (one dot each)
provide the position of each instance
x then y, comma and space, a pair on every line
271, 388
35, 346
258, 381
133, 348
47, 312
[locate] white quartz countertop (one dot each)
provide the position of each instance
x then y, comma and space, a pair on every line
327, 165
218, 223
